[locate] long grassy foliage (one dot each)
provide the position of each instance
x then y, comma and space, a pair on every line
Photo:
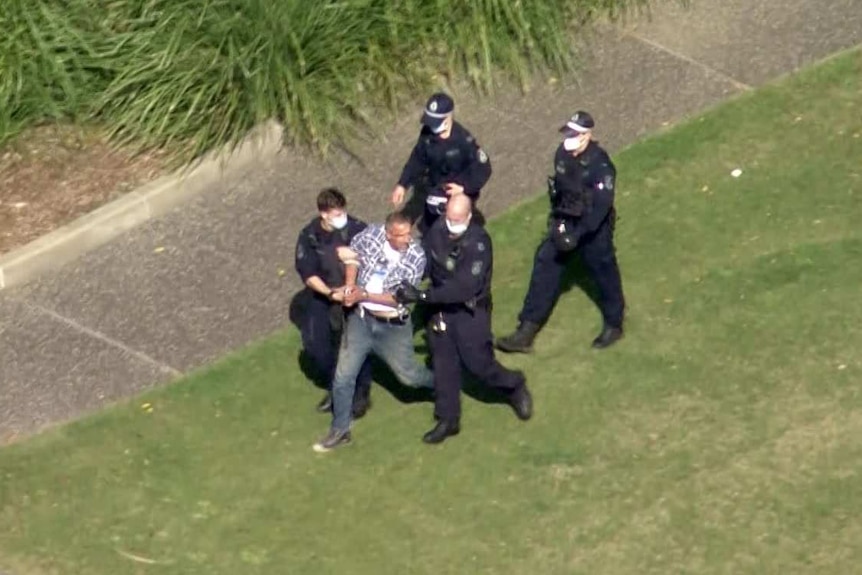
195, 74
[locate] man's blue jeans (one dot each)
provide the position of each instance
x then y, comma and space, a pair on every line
393, 343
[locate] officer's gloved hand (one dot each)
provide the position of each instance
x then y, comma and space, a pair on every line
408, 293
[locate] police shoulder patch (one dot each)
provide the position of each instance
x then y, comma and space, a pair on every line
608, 182
483, 157
300, 252
477, 267
560, 168
480, 246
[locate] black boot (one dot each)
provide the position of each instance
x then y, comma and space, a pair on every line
521, 340
522, 402
444, 428
608, 337
325, 405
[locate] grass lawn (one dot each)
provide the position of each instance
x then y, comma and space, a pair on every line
723, 435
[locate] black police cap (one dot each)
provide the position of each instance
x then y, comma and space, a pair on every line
578, 124
439, 105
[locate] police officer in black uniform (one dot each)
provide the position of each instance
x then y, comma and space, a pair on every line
459, 302
448, 156
322, 272
581, 222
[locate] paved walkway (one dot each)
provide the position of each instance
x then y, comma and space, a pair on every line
183, 290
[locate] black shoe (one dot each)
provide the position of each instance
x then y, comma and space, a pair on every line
361, 407
325, 405
332, 440
608, 337
444, 428
522, 402
521, 340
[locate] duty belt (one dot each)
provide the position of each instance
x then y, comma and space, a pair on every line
436, 204
472, 304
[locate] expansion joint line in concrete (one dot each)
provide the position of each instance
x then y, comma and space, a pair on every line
163, 367
679, 55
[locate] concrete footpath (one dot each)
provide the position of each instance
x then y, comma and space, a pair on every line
182, 290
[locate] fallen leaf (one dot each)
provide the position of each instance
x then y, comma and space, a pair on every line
141, 559
159, 250
736, 173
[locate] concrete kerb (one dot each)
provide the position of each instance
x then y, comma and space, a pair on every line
151, 200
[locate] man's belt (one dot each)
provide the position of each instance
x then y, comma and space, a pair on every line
395, 319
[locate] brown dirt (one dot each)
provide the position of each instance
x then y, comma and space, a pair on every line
51, 175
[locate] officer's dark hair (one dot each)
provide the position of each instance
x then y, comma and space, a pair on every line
396, 218
330, 199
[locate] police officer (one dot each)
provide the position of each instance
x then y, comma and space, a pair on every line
449, 157
581, 222
322, 272
459, 301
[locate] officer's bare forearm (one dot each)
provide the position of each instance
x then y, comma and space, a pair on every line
381, 298
318, 285
350, 272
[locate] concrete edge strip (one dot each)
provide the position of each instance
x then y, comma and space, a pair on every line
130, 210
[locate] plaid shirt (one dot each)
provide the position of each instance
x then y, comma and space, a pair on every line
368, 244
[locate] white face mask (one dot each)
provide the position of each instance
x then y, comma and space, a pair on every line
572, 144
457, 229
338, 222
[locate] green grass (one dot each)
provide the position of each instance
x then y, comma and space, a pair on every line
724, 435
188, 76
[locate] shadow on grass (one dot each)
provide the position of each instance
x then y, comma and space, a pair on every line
297, 304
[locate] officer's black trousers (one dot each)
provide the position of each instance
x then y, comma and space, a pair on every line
599, 258
321, 343
466, 341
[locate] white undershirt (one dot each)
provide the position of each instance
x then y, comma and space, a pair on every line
374, 285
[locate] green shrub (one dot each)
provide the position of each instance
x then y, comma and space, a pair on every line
195, 74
